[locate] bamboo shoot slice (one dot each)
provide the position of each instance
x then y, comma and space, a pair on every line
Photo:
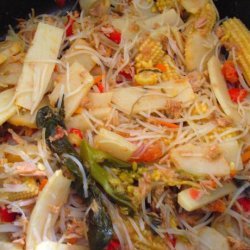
7, 106
209, 238
114, 144
219, 87
55, 193
189, 204
38, 66
77, 87
193, 159
25, 118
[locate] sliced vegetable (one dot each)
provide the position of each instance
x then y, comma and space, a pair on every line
230, 73
219, 87
236, 36
69, 26
55, 193
8, 49
101, 176
50, 245
24, 118
237, 95
115, 36
100, 100
151, 154
196, 50
161, 122
245, 204
209, 238
32, 191
79, 79
114, 144
77, 53
132, 100
200, 160
39, 64
113, 245
189, 202
7, 106
6, 216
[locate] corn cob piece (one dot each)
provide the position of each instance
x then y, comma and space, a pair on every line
161, 5
150, 53
146, 77
210, 137
32, 191
236, 35
170, 72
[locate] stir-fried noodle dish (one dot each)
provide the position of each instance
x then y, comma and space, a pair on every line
125, 126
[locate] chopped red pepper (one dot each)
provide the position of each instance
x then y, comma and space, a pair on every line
245, 203
77, 132
172, 240
60, 3
128, 76
237, 95
6, 216
100, 87
115, 36
195, 193
69, 26
113, 245
230, 73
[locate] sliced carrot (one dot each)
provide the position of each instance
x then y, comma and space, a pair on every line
161, 67
246, 156
42, 184
230, 73
98, 79
157, 121
72, 241
195, 193
152, 153
217, 206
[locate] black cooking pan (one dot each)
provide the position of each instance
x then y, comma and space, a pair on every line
12, 9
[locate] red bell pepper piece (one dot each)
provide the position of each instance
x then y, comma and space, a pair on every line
69, 26
77, 132
115, 36
237, 95
113, 245
245, 203
6, 216
230, 73
128, 76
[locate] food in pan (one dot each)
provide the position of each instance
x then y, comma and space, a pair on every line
125, 125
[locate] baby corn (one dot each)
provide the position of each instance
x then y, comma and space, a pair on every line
150, 53
236, 35
32, 191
